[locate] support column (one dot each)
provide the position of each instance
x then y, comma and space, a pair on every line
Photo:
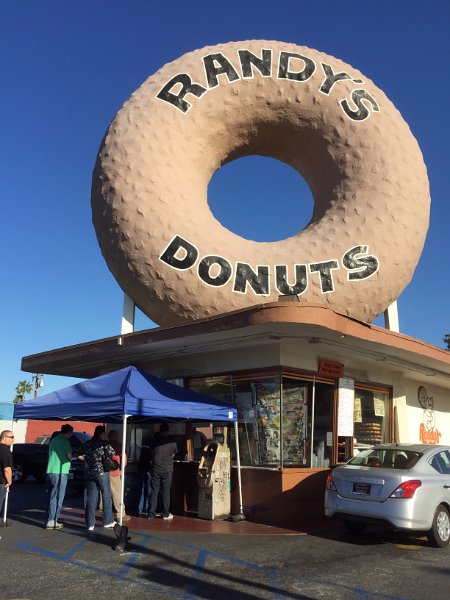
128, 315
391, 321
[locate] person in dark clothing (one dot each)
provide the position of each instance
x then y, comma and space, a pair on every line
163, 450
145, 483
97, 481
6, 463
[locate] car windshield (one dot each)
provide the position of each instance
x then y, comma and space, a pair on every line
386, 458
82, 436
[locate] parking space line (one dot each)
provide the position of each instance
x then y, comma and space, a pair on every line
98, 570
75, 549
196, 576
275, 576
145, 539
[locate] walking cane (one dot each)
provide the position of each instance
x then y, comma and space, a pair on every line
4, 523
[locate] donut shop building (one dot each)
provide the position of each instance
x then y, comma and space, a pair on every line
281, 329
312, 387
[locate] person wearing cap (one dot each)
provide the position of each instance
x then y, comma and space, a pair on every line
6, 464
58, 466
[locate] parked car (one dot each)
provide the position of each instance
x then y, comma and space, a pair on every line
404, 485
31, 459
43, 439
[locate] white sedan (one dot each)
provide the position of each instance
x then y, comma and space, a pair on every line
404, 485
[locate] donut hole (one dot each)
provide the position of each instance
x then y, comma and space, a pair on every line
260, 199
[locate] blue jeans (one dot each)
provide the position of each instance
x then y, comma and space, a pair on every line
161, 479
145, 488
58, 484
93, 487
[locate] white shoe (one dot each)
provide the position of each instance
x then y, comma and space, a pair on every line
91, 528
110, 525
169, 517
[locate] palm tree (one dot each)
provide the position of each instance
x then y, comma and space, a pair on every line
447, 340
22, 388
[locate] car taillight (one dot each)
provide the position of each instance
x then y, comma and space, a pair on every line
329, 484
406, 489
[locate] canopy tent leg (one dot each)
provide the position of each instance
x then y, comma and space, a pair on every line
120, 530
240, 516
121, 508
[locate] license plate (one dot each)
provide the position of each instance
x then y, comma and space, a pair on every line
361, 488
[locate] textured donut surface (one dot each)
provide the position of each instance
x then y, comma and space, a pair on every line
312, 111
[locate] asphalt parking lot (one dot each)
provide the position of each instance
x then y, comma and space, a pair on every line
169, 561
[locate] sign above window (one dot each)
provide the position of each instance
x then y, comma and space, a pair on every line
331, 368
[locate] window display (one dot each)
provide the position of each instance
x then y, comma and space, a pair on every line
371, 417
258, 403
295, 423
288, 417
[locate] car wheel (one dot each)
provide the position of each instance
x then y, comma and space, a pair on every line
439, 534
18, 474
354, 526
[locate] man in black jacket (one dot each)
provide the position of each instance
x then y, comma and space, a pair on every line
162, 452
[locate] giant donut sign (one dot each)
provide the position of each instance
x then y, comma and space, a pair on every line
312, 111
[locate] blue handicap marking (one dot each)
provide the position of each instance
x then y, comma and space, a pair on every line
276, 579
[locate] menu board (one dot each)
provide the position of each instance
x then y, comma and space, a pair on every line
378, 407
358, 411
346, 407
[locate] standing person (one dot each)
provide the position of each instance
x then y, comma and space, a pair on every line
162, 452
115, 477
199, 441
6, 465
58, 466
145, 483
97, 480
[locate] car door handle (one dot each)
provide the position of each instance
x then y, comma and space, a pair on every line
446, 487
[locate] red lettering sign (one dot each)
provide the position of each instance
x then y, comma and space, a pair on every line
331, 368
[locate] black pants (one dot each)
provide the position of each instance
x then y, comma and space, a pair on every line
161, 480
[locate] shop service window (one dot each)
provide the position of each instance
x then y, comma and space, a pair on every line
371, 420
258, 401
305, 444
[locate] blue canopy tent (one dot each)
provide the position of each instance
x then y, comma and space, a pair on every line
129, 393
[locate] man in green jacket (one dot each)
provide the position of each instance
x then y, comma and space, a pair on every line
59, 457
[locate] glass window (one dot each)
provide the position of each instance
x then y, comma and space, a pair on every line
296, 422
258, 401
323, 425
371, 424
300, 398
386, 458
441, 462
217, 387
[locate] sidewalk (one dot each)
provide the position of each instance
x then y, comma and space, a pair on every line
182, 524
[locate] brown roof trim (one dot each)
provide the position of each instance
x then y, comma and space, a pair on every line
271, 313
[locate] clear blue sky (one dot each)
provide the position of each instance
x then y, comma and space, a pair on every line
66, 68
